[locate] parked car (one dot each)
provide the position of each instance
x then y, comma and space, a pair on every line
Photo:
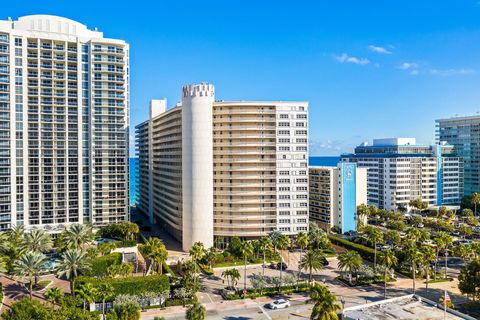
283, 265
278, 304
103, 240
273, 265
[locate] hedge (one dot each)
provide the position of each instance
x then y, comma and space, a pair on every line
99, 265
268, 291
131, 285
365, 252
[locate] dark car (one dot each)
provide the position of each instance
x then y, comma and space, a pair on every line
273, 265
282, 265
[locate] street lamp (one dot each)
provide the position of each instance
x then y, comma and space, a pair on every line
342, 301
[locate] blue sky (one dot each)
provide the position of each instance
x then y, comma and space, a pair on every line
368, 68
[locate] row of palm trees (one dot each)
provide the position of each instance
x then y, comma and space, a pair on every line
22, 253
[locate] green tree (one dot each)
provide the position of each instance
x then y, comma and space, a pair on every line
103, 292
302, 241
127, 311
26, 309
429, 256
418, 204
388, 260
53, 295
154, 249
196, 252
87, 293
283, 242
350, 262
37, 241
475, 200
266, 246
76, 236
196, 311
246, 249
393, 236
375, 237
29, 265
325, 304
274, 235
317, 236
73, 263
469, 279
446, 241
416, 258
312, 260
363, 212
209, 256
232, 275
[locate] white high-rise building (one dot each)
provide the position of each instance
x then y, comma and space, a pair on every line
400, 170
215, 169
64, 117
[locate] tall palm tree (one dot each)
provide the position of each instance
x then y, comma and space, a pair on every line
53, 295
29, 265
363, 212
265, 246
388, 260
77, 235
37, 241
196, 252
87, 293
274, 235
425, 268
475, 199
325, 304
155, 250
104, 291
350, 262
11, 249
375, 237
246, 249
316, 235
302, 241
73, 263
446, 240
282, 243
416, 258
312, 260
232, 276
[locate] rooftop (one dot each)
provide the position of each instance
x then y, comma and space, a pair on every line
402, 308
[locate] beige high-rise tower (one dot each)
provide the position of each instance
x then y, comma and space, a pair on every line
224, 169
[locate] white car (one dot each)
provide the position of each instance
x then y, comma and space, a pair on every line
279, 304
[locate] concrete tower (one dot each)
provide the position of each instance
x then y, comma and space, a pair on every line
197, 164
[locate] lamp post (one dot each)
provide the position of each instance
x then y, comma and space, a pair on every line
342, 301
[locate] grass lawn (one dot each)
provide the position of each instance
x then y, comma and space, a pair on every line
440, 280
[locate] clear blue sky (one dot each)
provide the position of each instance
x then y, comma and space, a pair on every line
368, 68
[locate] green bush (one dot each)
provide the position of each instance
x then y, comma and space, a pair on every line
131, 285
205, 269
365, 252
99, 265
167, 269
270, 291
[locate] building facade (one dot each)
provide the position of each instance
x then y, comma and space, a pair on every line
463, 133
335, 193
217, 169
399, 170
64, 116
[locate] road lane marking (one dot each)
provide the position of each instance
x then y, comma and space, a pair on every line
265, 312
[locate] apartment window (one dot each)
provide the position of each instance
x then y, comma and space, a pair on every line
284, 132
18, 42
284, 116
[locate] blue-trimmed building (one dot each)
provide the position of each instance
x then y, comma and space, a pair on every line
335, 193
400, 170
463, 133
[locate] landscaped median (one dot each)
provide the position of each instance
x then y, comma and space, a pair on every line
364, 251
269, 291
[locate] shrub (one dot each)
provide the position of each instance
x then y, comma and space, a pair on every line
205, 269
365, 252
131, 285
99, 265
167, 269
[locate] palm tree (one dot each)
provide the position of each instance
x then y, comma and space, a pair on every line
325, 304
246, 249
312, 260
11, 248
265, 245
375, 237
388, 260
475, 199
349, 261
196, 311
416, 259
425, 268
155, 250
282, 242
87, 293
232, 276
3, 266
53, 295
196, 252
446, 240
104, 291
29, 265
37, 241
274, 236
77, 235
301, 241
363, 212
316, 235
72, 264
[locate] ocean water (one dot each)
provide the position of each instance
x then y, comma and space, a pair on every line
323, 161
133, 180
